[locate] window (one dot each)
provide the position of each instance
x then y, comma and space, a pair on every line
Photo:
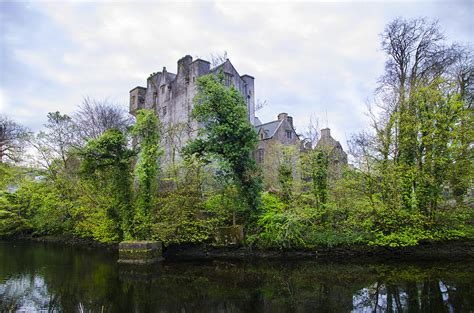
260, 155
164, 111
155, 97
289, 134
133, 100
227, 79
162, 89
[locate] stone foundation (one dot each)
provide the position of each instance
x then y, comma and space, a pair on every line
140, 252
232, 235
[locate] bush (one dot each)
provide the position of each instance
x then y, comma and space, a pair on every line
180, 218
279, 227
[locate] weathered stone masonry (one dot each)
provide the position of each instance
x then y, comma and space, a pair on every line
171, 97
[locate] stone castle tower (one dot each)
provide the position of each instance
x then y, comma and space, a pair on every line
337, 156
171, 97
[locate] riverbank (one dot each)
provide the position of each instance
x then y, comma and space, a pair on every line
446, 250
66, 240
449, 250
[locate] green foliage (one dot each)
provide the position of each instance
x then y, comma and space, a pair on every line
227, 135
146, 132
179, 218
319, 175
12, 221
278, 228
105, 168
285, 175
411, 183
227, 200
302, 224
92, 222
36, 207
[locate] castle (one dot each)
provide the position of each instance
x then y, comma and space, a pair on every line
171, 95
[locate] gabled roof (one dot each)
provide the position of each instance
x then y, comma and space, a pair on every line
170, 76
269, 128
218, 67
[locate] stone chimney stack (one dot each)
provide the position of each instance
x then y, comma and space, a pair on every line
183, 66
290, 120
325, 133
282, 116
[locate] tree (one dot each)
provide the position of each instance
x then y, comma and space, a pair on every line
218, 58
94, 117
13, 138
417, 55
418, 148
106, 167
226, 134
418, 62
146, 131
55, 143
319, 175
285, 174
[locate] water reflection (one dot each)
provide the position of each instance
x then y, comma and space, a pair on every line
37, 277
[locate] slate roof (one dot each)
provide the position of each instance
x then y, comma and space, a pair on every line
170, 76
222, 65
270, 128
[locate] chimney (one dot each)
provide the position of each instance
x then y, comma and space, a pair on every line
290, 120
326, 133
282, 116
183, 65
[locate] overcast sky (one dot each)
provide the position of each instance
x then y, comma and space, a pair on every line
319, 59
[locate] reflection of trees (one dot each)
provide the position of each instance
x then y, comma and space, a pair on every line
75, 279
419, 289
25, 293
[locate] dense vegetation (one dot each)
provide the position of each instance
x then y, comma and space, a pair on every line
411, 180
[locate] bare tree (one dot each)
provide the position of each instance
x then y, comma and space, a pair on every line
13, 139
218, 58
311, 135
463, 74
55, 143
94, 117
260, 104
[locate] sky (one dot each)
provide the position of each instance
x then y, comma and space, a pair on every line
313, 60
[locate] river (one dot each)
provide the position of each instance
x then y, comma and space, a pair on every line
37, 277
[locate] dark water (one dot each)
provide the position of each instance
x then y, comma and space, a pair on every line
39, 277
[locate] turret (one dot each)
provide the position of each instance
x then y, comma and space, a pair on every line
184, 68
137, 99
249, 96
